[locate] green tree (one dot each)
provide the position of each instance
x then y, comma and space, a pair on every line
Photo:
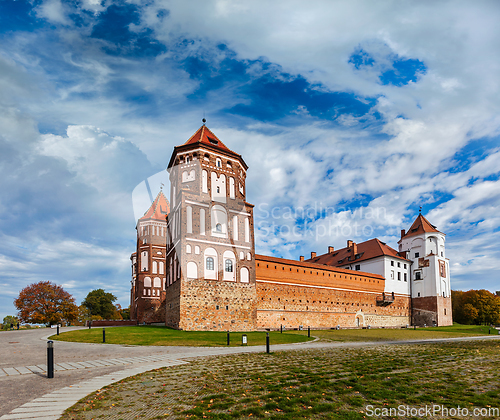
125, 312
45, 303
9, 319
100, 303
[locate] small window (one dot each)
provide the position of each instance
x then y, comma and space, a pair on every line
358, 267
218, 163
418, 275
218, 228
442, 256
218, 190
212, 140
417, 254
229, 266
188, 159
404, 265
399, 264
399, 276
405, 278
392, 263
418, 294
210, 263
217, 307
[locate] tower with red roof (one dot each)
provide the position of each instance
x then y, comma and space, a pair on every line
147, 300
210, 251
424, 245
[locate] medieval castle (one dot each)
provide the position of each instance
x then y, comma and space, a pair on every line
195, 267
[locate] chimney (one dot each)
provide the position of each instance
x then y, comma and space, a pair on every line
313, 255
349, 243
354, 248
330, 249
402, 233
301, 258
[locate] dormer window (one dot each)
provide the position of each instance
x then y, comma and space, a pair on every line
212, 140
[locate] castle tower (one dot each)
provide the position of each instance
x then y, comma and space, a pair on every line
430, 273
210, 245
147, 300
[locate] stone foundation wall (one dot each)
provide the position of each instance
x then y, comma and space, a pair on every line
172, 305
432, 310
216, 305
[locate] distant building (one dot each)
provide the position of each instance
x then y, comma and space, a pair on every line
197, 269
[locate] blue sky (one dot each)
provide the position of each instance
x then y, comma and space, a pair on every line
350, 116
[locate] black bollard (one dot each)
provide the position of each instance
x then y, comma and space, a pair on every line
90, 324
50, 359
308, 331
267, 342
228, 338
489, 330
281, 328
103, 335
57, 329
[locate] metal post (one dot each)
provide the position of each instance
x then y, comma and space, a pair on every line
308, 331
57, 329
103, 335
281, 328
50, 359
228, 338
90, 324
267, 342
489, 330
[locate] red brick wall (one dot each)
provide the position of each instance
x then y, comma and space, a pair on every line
322, 297
199, 301
427, 310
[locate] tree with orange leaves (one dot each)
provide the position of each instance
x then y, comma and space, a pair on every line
45, 303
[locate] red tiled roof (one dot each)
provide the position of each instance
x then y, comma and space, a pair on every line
364, 251
420, 225
205, 136
159, 209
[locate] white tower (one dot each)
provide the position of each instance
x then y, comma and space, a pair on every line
430, 273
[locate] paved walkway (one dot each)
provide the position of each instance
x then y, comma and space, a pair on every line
74, 380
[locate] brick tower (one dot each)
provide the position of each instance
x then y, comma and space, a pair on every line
147, 300
210, 245
430, 279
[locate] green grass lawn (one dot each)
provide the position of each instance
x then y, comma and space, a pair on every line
334, 383
380, 334
163, 336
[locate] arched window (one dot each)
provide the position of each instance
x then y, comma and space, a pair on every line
202, 221
235, 228
189, 219
155, 267
229, 266
219, 163
244, 275
147, 281
218, 217
160, 266
192, 270
247, 230
204, 181
188, 249
157, 282
211, 265
231, 188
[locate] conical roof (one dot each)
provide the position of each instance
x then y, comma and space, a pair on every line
159, 208
420, 225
